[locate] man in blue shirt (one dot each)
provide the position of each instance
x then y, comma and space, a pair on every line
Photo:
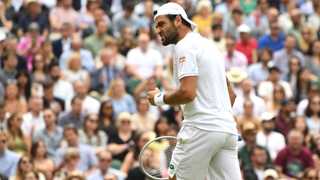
274, 40
8, 159
88, 159
104, 169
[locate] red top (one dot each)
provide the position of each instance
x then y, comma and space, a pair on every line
247, 48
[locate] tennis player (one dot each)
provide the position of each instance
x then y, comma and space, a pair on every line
207, 140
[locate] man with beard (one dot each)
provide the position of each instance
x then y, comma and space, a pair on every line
60, 86
267, 137
208, 137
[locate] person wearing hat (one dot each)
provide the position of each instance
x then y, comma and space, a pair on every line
268, 137
248, 133
209, 131
247, 45
270, 174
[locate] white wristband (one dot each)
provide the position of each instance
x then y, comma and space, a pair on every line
159, 99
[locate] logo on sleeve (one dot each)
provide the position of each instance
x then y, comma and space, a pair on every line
182, 59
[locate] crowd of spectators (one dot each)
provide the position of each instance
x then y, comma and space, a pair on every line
74, 75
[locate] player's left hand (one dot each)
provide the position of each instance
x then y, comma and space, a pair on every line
151, 94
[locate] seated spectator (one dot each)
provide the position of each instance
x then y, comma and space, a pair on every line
286, 117
233, 20
76, 175
40, 159
278, 96
294, 158
63, 44
274, 40
312, 116
50, 101
150, 60
234, 58
3, 119
258, 19
64, 13
33, 14
307, 38
38, 69
218, 37
17, 141
259, 163
314, 18
295, 77
259, 71
301, 125
267, 137
107, 118
281, 57
51, 135
7, 14
74, 71
87, 60
131, 159
89, 103
26, 87
143, 119
8, 159
75, 116
60, 86
265, 88
248, 115
247, 45
102, 77
8, 71
104, 168
24, 169
248, 133
203, 16
246, 93
161, 127
33, 120
30, 44
88, 159
13, 104
121, 142
121, 100
125, 18
313, 61
126, 41
91, 135
95, 42
70, 163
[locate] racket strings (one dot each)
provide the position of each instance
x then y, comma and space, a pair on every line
156, 156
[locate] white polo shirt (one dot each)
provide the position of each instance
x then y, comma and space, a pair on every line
211, 109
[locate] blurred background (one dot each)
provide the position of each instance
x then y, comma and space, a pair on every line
74, 75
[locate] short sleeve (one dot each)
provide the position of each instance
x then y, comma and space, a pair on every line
186, 63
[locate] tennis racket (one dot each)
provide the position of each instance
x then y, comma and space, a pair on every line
155, 156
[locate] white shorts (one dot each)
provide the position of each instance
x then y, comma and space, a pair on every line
205, 155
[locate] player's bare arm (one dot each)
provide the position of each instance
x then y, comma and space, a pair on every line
183, 95
232, 94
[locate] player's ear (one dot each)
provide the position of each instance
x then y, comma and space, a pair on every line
177, 21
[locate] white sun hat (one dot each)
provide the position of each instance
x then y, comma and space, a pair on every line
173, 9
